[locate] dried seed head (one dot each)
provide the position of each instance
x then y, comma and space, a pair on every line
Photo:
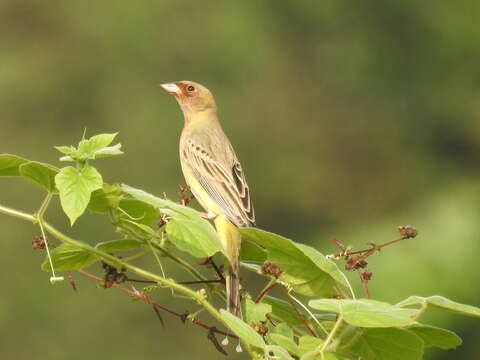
270, 268
260, 327
366, 275
355, 263
407, 231
38, 242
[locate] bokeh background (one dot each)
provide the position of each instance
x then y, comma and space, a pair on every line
350, 118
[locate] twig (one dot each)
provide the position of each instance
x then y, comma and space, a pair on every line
209, 261
264, 292
407, 232
148, 300
193, 282
199, 298
213, 339
71, 280
159, 316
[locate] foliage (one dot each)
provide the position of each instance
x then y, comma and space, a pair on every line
342, 327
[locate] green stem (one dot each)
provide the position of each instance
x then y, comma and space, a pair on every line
179, 261
330, 336
200, 299
39, 217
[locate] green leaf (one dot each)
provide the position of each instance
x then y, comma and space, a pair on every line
283, 329
67, 158
244, 331
255, 312
104, 199
304, 268
286, 342
308, 343
108, 151
9, 164
69, 257
251, 252
67, 150
39, 174
75, 187
165, 206
388, 344
367, 313
443, 303
193, 235
436, 337
118, 245
142, 230
279, 352
281, 309
139, 211
88, 148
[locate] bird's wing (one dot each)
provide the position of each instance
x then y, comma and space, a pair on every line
224, 183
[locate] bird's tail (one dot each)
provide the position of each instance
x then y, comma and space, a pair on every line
230, 240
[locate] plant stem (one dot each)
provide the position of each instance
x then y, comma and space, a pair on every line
114, 261
300, 317
39, 217
179, 261
149, 301
370, 250
330, 336
264, 292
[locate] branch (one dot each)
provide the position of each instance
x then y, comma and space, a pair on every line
407, 232
146, 299
114, 261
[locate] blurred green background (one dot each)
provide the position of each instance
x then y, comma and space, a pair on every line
350, 118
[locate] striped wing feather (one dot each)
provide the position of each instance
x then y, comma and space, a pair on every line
224, 183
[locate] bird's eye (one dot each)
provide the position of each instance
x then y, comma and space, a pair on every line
190, 88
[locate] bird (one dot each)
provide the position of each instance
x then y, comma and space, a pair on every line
215, 176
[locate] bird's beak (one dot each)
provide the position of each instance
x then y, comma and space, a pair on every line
171, 88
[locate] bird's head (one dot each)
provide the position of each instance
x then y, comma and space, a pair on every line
192, 97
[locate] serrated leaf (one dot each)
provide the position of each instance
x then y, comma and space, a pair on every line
243, 330
251, 252
441, 303
195, 236
165, 206
118, 245
75, 188
255, 312
69, 257
104, 199
39, 174
304, 268
9, 164
388, 344
366, 312
436, 337
87, 148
